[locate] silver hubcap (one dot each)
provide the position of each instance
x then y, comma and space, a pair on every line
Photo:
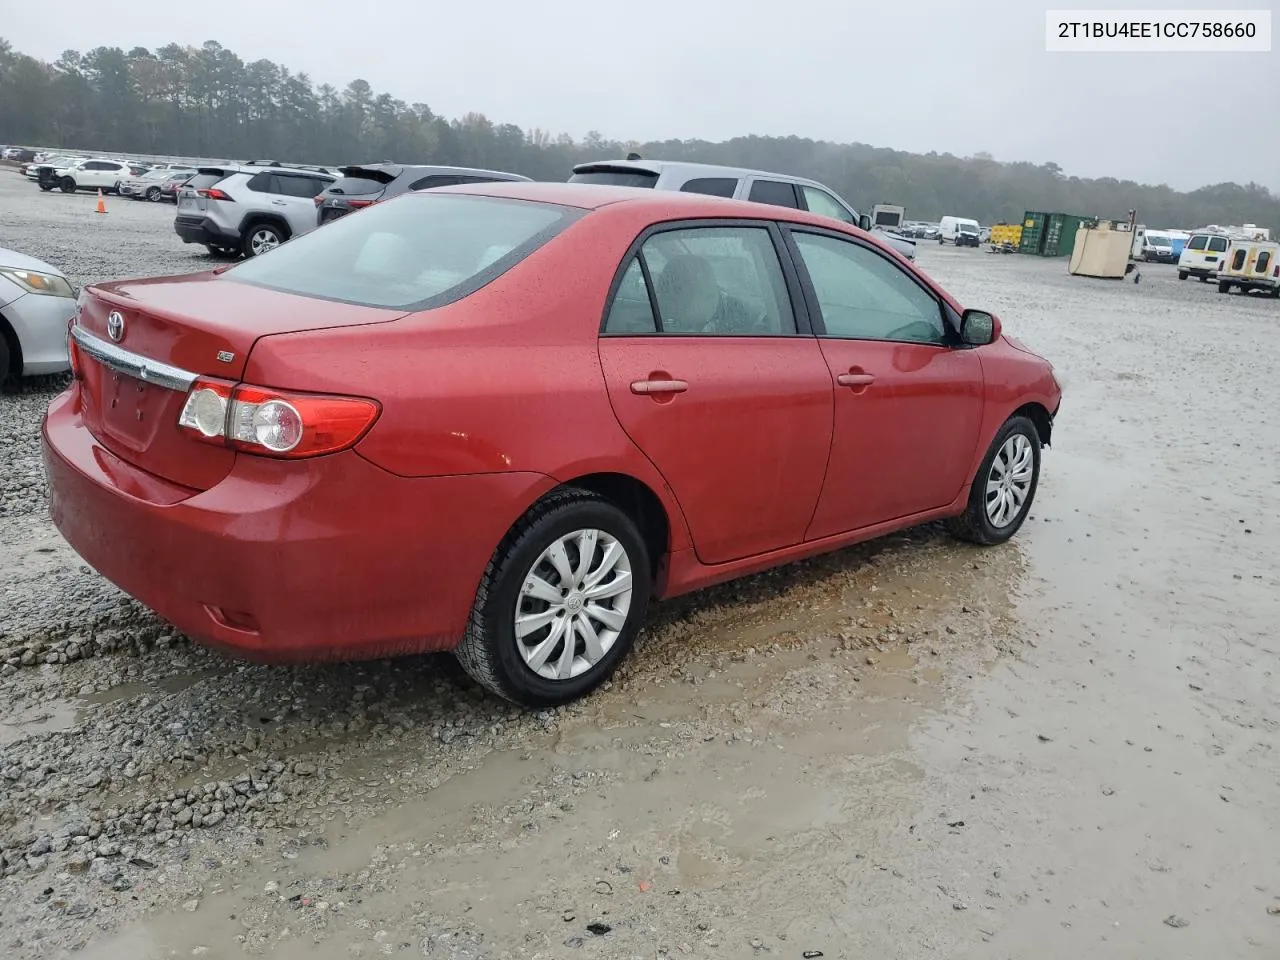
1009, 482
262, 241
573, 604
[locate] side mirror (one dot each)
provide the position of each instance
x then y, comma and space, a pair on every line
864, 223
979, 328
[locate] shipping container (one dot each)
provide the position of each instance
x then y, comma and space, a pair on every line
1050, 234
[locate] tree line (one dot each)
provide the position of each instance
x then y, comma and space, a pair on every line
207, 102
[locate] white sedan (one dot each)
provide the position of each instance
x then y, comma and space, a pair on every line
36, 305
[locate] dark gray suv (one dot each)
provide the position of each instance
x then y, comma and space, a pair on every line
366, 183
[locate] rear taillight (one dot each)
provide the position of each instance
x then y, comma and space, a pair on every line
1276, 271
357, 204
274, 423
213, 193
317, 200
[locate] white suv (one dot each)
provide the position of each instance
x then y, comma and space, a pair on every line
248, 209
96, 173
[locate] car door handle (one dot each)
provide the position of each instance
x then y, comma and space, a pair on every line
649, 387
855, 379
279, 203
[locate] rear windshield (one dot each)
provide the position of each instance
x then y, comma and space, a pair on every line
418, 251
887, 218
617, 178
1217, 244
357, 186
204, 179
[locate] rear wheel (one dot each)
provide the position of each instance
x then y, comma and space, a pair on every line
262, 238
224, 252
1224, 287
68, 185
560, 603
1004, 486
1182, 274
153, 194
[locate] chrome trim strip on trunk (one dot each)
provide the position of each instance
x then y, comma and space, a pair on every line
133, 364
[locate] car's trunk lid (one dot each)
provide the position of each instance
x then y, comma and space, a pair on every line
136, 370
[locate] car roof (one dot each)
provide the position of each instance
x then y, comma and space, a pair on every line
658, 204
689, 168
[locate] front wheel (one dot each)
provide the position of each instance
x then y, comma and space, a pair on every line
1004, 486
68, 185
1182, 274
46, 187
560, 603
262, 238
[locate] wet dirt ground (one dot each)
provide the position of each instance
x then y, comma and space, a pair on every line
1062, 747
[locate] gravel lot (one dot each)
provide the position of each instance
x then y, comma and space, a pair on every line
1059, 748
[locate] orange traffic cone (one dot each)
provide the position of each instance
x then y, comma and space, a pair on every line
102, 203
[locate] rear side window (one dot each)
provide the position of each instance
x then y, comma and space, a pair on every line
1218, 244
704, 281
616, 178
711, 186
1264, 261
407, 256
774, 192
1197, 243
1237, 261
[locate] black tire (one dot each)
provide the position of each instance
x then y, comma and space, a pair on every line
46, 187
1275, 293
1182, 274
5, 359
974, 525
1204, 278
255, 229
1224, 287
225, 253
153, 194
489, 649
67, 185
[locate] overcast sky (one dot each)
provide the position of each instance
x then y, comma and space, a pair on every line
917, 75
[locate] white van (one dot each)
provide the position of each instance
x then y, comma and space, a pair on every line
1202, 255
960, 231
1251, 265
888, 216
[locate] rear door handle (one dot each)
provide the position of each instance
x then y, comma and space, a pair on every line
855, 379
279, 203
649, 387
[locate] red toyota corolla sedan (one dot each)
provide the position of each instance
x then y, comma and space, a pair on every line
499, 418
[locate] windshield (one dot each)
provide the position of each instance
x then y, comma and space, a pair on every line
418, 251
1159, 241
969, 228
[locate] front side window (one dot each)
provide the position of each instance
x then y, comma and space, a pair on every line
864, 296
407, 256
825, 205
706, 281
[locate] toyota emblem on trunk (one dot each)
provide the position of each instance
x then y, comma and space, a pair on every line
115, 326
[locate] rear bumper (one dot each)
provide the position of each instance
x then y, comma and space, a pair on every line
200, 229
328, 559
1250, 283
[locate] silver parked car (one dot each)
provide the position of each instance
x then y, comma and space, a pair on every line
248, 209
739, 183
150, 185
36, 305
